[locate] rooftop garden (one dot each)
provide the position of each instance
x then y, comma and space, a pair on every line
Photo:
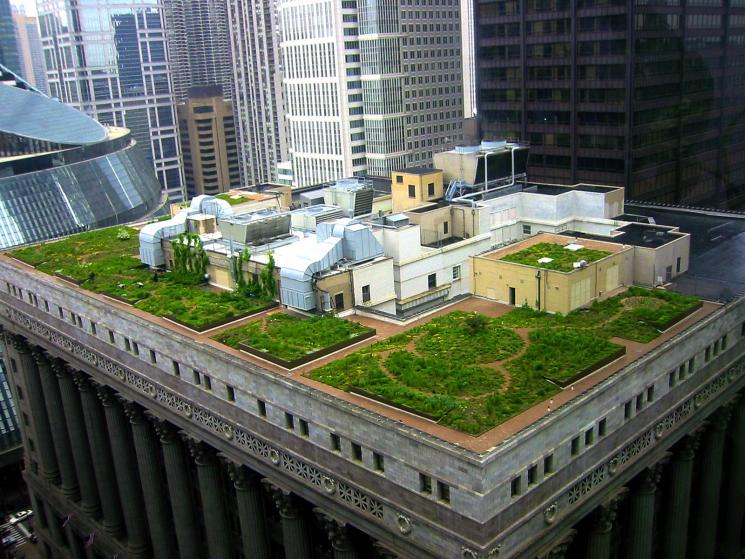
557, 257
472, 372
293, 339
107, 261
232, 199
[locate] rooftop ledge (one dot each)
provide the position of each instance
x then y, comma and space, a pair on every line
472, 373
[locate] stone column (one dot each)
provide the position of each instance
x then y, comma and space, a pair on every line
42, 430
153, 485
214, 512
641, 514
709, 480
103, 463
560, 548
55, 527
75, 549
677, 505
58, 424
125, 472
179, 490
599, 540
250, 513
337, 532
90, 501
733, 494
294, 529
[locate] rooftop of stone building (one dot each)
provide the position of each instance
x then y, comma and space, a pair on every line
471, 372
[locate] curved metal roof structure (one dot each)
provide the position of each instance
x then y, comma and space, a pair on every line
32, 115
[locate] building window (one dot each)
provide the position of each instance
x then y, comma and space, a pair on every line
46, 305
339, 301
516, 486
707, 354
575, 446
365, 293
153, 357
177, 370
671, 379
356, 452
304, 429
412, 191
399, 179
136, 348
627, 410
111, 337
443, 492
456, 272
431, 189
650, 393
61, 311
445, 228
378, 462
432, 281
290, 421
533, 474
602, 427
127, 345
526, 229
19, 390
548, 464
335, 442
724, 342
681, 372
425, 484
590, 436
231, 392
13, 365
677, 265
261, 406
639, 401
207, 382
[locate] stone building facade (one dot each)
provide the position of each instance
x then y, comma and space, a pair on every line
143, 441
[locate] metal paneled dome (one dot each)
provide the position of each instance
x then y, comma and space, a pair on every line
32, 115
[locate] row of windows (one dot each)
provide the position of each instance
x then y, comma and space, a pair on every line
589, 436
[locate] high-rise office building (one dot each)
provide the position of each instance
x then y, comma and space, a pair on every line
258, 104
648, 95
110, 60
8, 46
369, 86
208, 142
468, 44
29, 50
198, 45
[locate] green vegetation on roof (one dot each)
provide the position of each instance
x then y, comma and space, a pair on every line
472, 372
233, 201
107, 261
562, 259
290, 337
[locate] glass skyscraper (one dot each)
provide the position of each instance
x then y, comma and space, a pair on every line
8, 46
646, 94
109, 59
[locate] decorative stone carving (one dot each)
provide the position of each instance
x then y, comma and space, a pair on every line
404, 524
550, 512
605, 514
335, 528
283, 499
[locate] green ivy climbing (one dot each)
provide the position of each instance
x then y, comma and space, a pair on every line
189, 259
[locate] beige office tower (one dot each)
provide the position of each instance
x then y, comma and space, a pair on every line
29, 50
370, 86
208, 142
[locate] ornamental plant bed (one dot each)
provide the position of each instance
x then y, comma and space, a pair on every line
562, 259
107, 261
289, 340
471, 372
221, 322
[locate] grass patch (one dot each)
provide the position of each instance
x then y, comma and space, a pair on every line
290, 337
562, 258
231, 200
107, 261
469, 372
